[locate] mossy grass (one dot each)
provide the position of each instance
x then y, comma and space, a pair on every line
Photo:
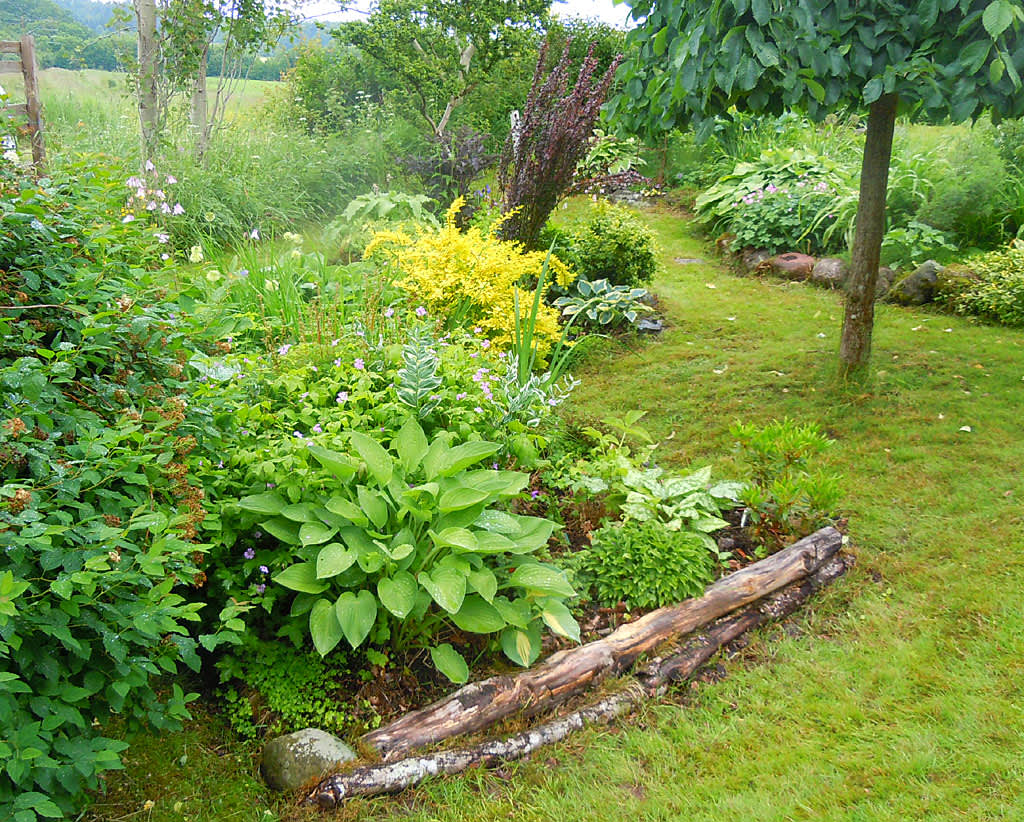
895, 694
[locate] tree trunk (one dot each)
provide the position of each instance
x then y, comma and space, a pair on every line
481, 704
199, 113
148, 77
677, 665
855, 346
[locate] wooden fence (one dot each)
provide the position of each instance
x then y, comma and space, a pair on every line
25, 64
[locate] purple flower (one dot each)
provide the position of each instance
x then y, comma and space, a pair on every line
485, 344
389, 312
249, 553
134, 182
494, 466
220, 464
461, 395
334, 343
264, 569
271, 485
171, 179
261, 588
297, 435
284, 349
177, 210
342, 397
359, 365
150, 166
317, 429
421, 311
535, 493
479, 410
254, 234
337, 363
477, 330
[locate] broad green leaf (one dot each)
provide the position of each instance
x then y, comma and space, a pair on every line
873, 90
446, 586
995, 71
411, 444
534, 533
262, 503
374, 504
488, 543
478, 616
334, 559
455, 538
462, 456
155, 521
434, 456
300, 512
558, 618
356, 614
457, 499
450, 663
372, 560
522, 647
974, 55
398, 593
315, 533
284, 529
340, 465
324, 627
344, 507
997, 17
301, 577
660, 42
498, 522
514, 612
378, 461
541, 578
483, 582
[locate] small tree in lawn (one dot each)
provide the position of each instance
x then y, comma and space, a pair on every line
937, 58
541, 153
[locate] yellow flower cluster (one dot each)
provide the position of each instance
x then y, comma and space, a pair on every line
472, 276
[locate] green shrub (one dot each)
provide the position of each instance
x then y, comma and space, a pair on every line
786, 497
99, 512
598, 304
643, 564
998, 292
610, 244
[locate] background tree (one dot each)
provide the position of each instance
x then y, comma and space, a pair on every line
442, 49
934, 58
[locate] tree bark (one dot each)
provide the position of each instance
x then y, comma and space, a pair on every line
481, 704
200, 114
148, 77
858, 321
653, 679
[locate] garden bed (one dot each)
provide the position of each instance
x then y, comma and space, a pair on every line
768, 589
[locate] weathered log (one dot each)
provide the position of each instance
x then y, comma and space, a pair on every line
654, 678
566, 673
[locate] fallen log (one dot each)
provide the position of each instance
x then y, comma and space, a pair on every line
676, 665
566, 673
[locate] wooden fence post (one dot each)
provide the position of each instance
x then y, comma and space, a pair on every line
31, 108
29, 69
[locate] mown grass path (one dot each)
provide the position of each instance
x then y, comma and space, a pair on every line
903, 697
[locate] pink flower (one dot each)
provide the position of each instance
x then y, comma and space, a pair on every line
421, 311
177, 211
359, 365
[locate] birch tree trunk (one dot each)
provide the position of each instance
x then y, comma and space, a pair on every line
200, 107
148, 77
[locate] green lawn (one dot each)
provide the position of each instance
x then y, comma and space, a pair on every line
901, 696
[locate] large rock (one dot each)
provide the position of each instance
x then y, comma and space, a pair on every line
792, 266
917, 288
293, 760
886, 276
754, 257
829, 272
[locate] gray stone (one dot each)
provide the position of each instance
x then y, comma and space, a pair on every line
645, 326
917, 288
754, 257
886, 276
293, 760
829, 272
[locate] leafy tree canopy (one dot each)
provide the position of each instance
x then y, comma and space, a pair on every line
946, 58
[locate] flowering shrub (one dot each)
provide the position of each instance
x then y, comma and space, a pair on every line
787, 218
470, 277
99, 512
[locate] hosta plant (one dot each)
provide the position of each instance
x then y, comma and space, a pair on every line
602, 304
408, 543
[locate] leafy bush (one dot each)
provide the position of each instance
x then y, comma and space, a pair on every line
99, 512
644, 564
914, 244
610, 244
998, 292
468, 278
406, 543
785, 496
451, 163
540, 156
601, 304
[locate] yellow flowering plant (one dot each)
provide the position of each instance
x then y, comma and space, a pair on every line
471, 277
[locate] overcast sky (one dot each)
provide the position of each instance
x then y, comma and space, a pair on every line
604, 10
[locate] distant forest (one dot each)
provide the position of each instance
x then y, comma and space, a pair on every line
77, 34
